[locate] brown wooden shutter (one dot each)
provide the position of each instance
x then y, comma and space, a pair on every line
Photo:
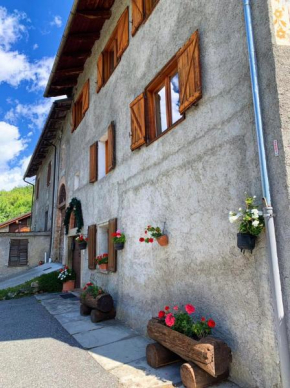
138, 123
123, 33
86, 97
73, 117
18, 254
48, 178
37, 188
111, 163
138, 14
92, 246
100, 72
112, 253
94, 162
189, 70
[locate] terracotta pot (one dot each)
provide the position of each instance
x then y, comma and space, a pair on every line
246, 241
68, 286
119, 246
103, 266
163, 240
83, 245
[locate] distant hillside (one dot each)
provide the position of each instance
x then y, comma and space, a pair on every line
14, 203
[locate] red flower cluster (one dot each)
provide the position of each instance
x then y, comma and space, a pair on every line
146, 240
81, 238
116, 234
64, 268
87, 285
211, 323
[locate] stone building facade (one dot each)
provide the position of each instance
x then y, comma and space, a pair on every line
185, 180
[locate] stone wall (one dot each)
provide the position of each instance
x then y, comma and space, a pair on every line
189, 179
38, 245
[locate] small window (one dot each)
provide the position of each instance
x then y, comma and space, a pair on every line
77, 181
46, 221
37, 188
80, 106
48, 179
18, 254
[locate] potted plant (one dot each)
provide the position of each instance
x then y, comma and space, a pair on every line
67, 277
119, 240
252, 224
95, 297
82, 241
154, 233
178, 330
102, 261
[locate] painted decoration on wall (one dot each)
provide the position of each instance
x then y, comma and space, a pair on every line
281, 15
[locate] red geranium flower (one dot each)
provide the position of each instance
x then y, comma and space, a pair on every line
211, 323
166, 308
189, 308
161, 314
151, 240
114, 234
175, 308
105, 255
170, 320
146, 232
141, 239
202, 319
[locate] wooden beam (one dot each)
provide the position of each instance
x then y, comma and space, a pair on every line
73, 70
76, 55
84, 36
95, 14
63, 85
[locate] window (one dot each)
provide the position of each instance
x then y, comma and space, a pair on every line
18, 254
102, 155
141, 10
37, 188
175, 89
106, 244
46, 221
76, 181
111, 55
48, 178
62, 196
81, 106
92, 239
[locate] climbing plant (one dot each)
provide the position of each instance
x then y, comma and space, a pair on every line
76, 207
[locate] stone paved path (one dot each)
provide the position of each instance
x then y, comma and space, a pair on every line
118, 349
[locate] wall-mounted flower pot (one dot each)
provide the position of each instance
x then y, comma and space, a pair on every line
163, 240
246, 241
83, 245
119, 246
103, 266
68, 286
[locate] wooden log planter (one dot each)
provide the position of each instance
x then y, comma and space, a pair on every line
100, 308
194, 377
210, 354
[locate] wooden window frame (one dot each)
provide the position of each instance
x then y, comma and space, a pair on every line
78, 111
162, 79
18, 263
147, 11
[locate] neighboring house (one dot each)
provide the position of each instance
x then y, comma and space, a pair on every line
19, 224
159, 129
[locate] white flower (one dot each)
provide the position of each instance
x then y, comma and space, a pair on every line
254, 197
231, 213
233, 219
255, 223
240, 209
255, 213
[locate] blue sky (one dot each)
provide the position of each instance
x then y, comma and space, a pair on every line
30, 33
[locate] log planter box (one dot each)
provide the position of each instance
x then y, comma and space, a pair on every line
210, 354
100, 308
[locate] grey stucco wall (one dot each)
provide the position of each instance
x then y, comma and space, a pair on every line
38, 244
190, 178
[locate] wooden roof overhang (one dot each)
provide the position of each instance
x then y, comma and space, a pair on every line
52, 125
83, 28
16, 219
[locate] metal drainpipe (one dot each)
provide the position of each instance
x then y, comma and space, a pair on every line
281, 328
32, 199
53, 195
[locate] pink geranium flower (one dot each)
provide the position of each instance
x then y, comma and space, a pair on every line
175, 308
170, 320
189, 308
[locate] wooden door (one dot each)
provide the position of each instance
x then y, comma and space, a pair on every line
76, 262
61, 235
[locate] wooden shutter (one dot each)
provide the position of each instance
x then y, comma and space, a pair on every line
138, 15
112, 253
92, 239
94, 162
123, 33
86, 97
73, 116
18, 254
37, 188
100, 72
111, 155
138, 123
48, 178
189, 70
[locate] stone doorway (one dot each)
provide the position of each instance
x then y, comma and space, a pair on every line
61, 235
76, 262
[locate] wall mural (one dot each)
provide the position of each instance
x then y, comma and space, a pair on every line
281, 14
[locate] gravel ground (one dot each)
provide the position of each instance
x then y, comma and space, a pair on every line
36, 352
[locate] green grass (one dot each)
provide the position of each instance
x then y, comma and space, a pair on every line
47, 283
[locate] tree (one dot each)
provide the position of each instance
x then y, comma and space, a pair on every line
14, 203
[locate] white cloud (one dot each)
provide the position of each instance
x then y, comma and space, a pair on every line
11, 145
35, 46
11, 28
57, 21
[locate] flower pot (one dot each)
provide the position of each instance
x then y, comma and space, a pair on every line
162, 240
83, 245
103, 266
246, 241
119, 246
68, 286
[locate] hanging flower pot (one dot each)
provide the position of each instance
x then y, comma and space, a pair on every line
104, 267
102, 261
162, 240
246, 241
83, 245
68, 286
119, 246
